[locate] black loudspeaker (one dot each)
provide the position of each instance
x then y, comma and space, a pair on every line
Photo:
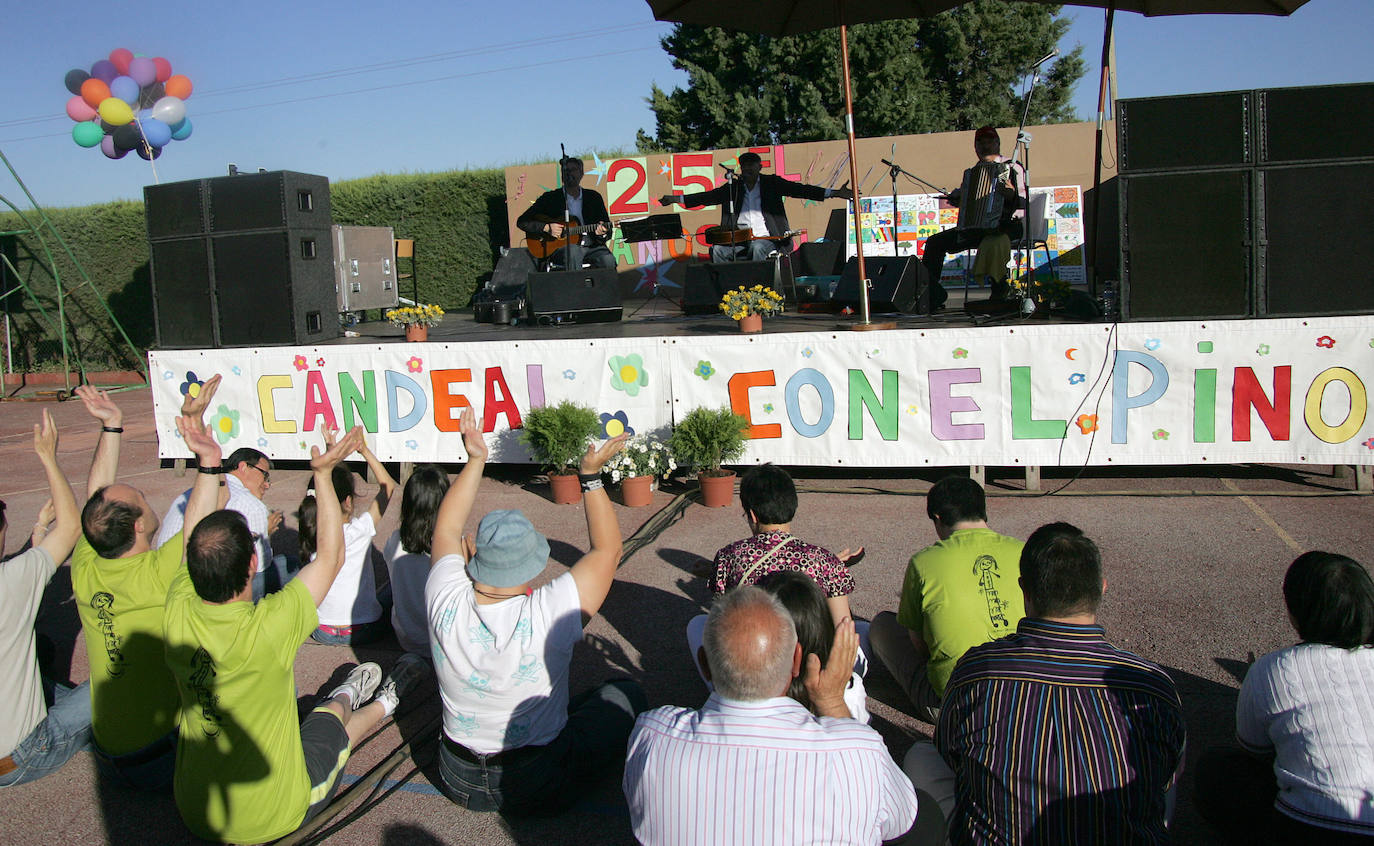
820, 258
274, 287
1315, 248
590, 295
176, 209
899, 284
1171, 133
512, 269
1316, 124
275, 200
1185, 243
183, 300
706, 283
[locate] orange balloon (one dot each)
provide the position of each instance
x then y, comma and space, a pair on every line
177, 86
94, 92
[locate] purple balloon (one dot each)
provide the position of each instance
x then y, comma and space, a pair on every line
125, 89
104, 70
107, 146
156, 132
143, 70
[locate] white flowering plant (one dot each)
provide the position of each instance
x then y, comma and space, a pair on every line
643, 455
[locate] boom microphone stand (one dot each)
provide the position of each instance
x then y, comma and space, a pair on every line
1023, 140
731, 216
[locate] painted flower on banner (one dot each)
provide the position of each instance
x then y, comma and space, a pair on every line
960, 352
319, 362
570, 375
1262, 349
1160, 435
191, 387
1152, 344
301, 444
236, 370
1087, 423
412, 444
225, 424
807, 352
168, 375
415, 364
1371, 343
1326, 342
262, 443
872, 353
912, 410
300, 363
768, 408
628, 374
704, 370
615, 424
1369, 444
1077, 378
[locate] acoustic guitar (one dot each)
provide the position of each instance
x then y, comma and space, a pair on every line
543, 245
723, 236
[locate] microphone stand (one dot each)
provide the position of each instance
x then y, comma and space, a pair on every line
730, 214
893, 169
1023, 140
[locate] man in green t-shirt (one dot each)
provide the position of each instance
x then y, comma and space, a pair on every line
958, 593
246, 771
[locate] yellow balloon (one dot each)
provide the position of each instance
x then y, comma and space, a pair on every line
115, 111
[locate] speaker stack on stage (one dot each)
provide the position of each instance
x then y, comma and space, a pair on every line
899, 285
242, 260
1246, 203
590, 295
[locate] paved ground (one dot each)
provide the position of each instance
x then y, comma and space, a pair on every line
1194, 558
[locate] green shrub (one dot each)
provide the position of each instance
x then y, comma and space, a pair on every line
706, 438
557, 435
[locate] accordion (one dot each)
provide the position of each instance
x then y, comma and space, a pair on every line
980, 203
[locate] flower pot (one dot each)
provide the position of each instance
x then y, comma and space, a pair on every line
417, 333
750, 324
717, 491
637, 491
567, 490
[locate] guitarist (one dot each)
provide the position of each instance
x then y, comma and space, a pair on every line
545, 219
758, 205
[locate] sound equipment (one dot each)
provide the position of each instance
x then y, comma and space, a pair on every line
1172, 133
1319, 123
900, 284
820, 258
980, 203
242, 260
364, 272
514, 266
590, 295
705, 283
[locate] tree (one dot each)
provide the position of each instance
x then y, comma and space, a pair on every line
956, 71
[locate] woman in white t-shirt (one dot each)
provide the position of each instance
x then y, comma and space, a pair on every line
353, 612
407, 556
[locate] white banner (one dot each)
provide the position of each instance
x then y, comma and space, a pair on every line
1283, 391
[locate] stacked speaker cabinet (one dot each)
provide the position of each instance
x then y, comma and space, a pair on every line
1246, 203
242, 261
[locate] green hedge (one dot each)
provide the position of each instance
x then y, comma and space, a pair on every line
457, 218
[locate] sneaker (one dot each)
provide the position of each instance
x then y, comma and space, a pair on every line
408, 671
360, 685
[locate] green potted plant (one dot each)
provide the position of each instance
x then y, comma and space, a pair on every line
705, 438
635, 467
557, 436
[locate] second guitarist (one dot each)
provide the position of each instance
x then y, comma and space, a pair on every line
544, 220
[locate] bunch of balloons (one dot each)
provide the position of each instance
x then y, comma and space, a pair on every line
128, 102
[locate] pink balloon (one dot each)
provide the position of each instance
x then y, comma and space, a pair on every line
164, 69
79, 110
121, 58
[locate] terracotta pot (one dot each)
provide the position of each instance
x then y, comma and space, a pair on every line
749, 324
717, 491
567, 490
637, 491
417, 333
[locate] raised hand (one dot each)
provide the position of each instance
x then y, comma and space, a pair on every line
845, 192
194, 406
199, 440
100, 406
826, 685
597, 457
669, 199
45, 437
337, 451
473, 441
329, 434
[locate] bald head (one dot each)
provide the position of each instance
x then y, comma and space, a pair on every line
751, 645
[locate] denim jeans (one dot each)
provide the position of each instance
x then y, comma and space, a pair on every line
64, 732
150, 768
360, 633
546, 780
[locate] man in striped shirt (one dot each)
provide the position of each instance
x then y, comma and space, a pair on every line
1054, 735
753, 766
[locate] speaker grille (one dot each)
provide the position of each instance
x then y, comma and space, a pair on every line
182, 293
1169, 133
1315, 124
1316, 261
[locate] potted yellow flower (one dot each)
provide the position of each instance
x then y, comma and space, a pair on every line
416, 319
748, 306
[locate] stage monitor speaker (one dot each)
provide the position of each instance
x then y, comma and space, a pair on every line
1319, 123
705, 283
1314, 261
274, 200
183, 301
275, 287
1170, 133
820, 258
590, 295
1186, 245
899, 284
175, 210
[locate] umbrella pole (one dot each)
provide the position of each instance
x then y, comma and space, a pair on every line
864, 318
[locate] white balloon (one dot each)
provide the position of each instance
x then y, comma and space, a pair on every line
169, 110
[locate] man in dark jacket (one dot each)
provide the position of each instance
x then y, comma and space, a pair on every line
758, 205
545, 219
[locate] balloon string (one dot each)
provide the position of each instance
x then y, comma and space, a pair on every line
142, 139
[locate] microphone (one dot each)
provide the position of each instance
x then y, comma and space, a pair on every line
1045, 58
886, 162
727, 168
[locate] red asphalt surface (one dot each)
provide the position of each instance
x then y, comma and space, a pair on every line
1194, 559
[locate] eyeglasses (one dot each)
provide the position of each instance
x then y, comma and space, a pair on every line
266, 476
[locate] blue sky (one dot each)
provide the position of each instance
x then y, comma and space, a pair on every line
350, 89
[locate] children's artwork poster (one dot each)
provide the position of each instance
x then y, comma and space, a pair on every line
1055, 217
1281, 391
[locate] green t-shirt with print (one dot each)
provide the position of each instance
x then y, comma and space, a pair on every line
240, 771
120, 602
962, 592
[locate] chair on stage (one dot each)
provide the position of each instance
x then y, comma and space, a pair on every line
405, 249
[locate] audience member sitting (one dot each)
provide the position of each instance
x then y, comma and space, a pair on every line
512, 741
806, 604
46, 723
407, 556
1305, 718
353, 613
753, 765
1053, 735
246, 771
958, 593
247, 476
120, 581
